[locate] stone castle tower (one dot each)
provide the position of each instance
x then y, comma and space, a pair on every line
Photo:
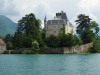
54, 26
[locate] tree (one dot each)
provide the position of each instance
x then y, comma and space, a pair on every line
29, 25
8, 38
18, 40
62, 30
86, 27
68, 40
95, 27
1, 36
35, 46
27, 41
9, 42
43, 34
52, 41
9, 45
64, 40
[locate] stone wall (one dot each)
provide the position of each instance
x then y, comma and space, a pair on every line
65, 50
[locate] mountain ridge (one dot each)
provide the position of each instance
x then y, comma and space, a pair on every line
7, 26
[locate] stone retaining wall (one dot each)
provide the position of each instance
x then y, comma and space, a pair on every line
65, 50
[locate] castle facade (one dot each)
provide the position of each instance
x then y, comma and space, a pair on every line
54, 26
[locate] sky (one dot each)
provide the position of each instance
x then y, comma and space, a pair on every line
16, 9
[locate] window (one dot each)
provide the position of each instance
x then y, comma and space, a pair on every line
54, 31
58, 22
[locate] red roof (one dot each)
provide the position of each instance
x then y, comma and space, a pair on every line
2, 42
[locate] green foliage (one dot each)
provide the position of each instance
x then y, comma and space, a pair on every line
1, 36
64, 40
29, 25
27, 41
62, 30
52, 41
22, 40
43, 33
28, 29
96, 45
9, 41
72, 31
9, 45
95, 26
86, 28
68, 40
18, 40
35, 46
8, 38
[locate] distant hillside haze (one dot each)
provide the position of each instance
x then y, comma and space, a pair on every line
7, 26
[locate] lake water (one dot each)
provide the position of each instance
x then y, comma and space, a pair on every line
57, 64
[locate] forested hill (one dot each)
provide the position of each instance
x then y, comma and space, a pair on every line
7, 26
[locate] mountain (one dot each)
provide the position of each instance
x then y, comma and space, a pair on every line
7, 26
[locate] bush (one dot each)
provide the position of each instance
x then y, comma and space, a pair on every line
35, 46
52, 41
64, 40
9, 46
96, 45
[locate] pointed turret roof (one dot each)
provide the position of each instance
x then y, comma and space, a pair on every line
45, 19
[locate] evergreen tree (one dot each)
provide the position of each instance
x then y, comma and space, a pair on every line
86, 28
9, 42
18, 40
30, 26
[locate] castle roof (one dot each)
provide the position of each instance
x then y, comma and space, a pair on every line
2, 42
56, 22
45, 19
59, 19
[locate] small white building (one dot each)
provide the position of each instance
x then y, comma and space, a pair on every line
2, 46
53, 27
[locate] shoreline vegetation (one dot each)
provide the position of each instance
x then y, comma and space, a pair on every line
58, 50
31, 36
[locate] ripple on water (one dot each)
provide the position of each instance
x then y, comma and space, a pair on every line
50, 64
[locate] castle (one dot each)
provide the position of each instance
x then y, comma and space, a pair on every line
53, 27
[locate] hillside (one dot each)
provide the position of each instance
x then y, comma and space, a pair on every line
7, 26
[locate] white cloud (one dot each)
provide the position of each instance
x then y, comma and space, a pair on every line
89, 7
19, 8
90, 4
15, 9
6, 8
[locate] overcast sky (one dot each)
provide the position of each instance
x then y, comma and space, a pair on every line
16, 9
